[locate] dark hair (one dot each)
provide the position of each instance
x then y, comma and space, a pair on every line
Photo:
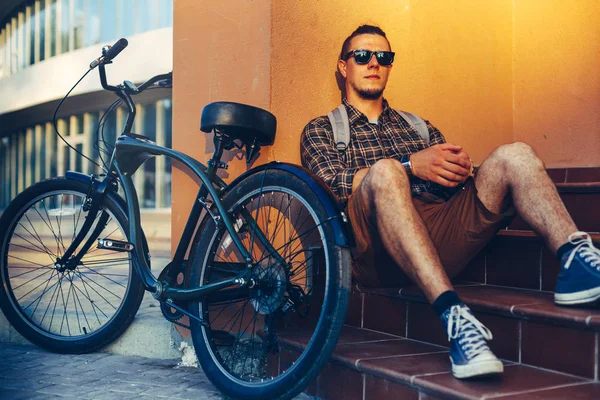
362, 30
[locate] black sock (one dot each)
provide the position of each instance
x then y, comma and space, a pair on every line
446, 300
565, 248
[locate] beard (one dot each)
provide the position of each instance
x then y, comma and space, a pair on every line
370, 93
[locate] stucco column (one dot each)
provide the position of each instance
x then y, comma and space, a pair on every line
221, 52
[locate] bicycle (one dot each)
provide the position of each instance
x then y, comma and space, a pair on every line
266, 284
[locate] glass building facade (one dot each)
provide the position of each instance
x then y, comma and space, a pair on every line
42, 29
38, 30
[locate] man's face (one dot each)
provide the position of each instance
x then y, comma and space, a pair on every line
367, 81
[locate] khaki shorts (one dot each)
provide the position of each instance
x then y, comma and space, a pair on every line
459, 228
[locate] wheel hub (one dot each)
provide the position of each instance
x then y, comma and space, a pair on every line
67, 266
268, 292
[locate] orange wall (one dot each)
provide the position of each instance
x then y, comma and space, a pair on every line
484, 72
220, 53
557, 80
453, 65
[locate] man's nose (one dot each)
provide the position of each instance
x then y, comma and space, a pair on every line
373, 63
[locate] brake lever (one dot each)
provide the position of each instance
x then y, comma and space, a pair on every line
100, 60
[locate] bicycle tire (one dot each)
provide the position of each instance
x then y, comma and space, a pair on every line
99, 297
291, 349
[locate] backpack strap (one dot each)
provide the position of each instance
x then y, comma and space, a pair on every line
341, 127
416, 122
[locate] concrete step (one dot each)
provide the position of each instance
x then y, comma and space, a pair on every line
527, 327
149, 335
370, 365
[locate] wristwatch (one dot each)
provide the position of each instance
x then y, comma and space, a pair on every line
405, 161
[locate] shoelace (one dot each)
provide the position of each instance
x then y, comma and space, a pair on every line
462, 322
585, 248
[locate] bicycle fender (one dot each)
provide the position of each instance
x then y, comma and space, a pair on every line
78, 176
339, 220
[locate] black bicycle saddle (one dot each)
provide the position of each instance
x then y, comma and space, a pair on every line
240, 121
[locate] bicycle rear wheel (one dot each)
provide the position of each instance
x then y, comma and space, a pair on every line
269, 340
66, 310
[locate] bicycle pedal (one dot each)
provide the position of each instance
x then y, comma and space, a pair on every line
114, 245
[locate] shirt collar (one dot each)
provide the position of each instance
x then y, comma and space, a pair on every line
354, 113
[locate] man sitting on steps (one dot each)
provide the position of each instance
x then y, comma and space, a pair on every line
416, 205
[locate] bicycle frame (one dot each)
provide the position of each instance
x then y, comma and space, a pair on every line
130, 152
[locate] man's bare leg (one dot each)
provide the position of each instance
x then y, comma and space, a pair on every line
516, 170
402, 230
407, 240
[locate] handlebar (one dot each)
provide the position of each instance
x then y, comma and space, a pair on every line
126, 89
115, 49
108, 54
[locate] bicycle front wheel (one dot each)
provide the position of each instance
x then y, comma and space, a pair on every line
271, 338
67, 310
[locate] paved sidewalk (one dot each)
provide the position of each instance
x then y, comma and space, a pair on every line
27, 372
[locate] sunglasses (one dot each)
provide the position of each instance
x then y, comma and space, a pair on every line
362, 57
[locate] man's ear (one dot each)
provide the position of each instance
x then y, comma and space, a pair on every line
342, 68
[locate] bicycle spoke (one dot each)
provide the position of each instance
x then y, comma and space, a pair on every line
258, 206
39, 298
28, 248
98, 293
28, 272
58, 224
56, 286
80, 307
69, 279
292, 240
46, 251
31, 289
252, 344
58, 249
107, 253
93, 304
244, 330
103, 275
235, 347
94, 250
27, 261
108, 261
76, 222
64, 309
36, 236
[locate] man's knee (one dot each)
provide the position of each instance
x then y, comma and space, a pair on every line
515, 156
386, 175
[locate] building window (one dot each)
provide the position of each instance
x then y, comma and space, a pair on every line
36, 153
108, 16
31, 44
92, 23
41, 33
42, 29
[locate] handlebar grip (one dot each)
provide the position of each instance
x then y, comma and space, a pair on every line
115, 49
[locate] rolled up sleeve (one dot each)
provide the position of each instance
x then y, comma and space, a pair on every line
319, 154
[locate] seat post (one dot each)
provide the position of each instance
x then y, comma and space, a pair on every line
214, 162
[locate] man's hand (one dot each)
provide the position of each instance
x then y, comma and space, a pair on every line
446, 164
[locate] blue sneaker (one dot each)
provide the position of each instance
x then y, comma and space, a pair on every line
579, 279
469, 352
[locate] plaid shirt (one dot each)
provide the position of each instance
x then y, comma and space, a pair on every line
392, 137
